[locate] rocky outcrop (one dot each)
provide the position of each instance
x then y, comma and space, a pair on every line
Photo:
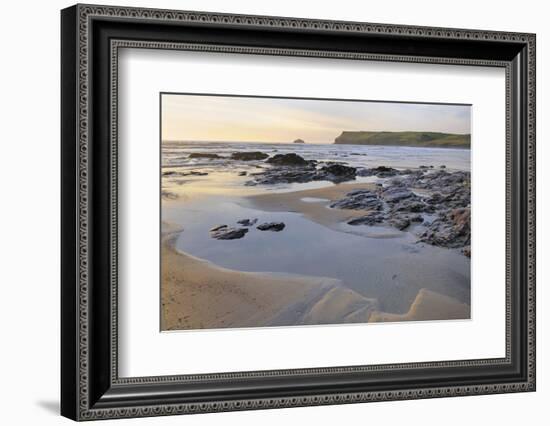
247, 222
249, 156
371, 218
380, 172
290, 159
182, 174
450, 229
224, 232
291, 168
337, 172
299, 141
362, 199
271, 226
445, 195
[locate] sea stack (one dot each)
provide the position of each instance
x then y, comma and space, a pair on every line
299, 141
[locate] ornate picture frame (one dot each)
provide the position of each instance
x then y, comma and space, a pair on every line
91, 37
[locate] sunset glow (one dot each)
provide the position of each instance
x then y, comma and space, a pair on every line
249, 119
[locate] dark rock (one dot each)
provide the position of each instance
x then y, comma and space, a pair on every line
217, 228
192, 173
338, 172
227, 233
307, 172
299, 141
203, 155
395, 204
435, 198
247, 222
400, 222
366, 192
451, 229
242, 173
384, 169
443, 166
416, 218
423, 167
380, 172
467, 251
395, 194
359, 200
249, 156
370, 219
412, 206
287, 160
278, 175
271, 226
167, 195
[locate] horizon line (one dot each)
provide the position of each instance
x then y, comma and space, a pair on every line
311, 143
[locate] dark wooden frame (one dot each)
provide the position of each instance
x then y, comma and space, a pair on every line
91, 37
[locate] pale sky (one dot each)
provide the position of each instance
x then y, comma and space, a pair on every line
246, 119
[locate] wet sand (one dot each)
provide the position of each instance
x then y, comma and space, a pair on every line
196, 294
428, 305
300, 202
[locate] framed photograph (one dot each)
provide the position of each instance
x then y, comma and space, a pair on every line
263, 212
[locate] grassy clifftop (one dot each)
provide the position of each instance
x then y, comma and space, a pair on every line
422, 139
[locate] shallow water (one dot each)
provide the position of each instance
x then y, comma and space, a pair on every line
313, 200
175, 154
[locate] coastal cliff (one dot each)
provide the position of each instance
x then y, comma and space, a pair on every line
418, 139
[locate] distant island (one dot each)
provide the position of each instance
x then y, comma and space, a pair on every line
299, 141
418, 139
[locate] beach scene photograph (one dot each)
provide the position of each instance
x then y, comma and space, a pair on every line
279, 211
